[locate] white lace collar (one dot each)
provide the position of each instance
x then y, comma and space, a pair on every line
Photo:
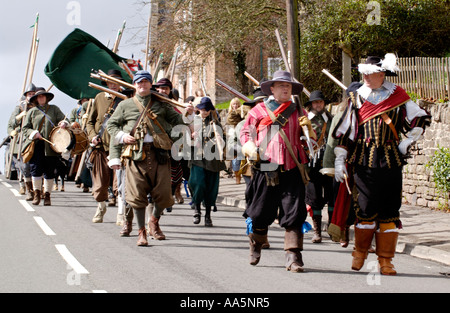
365, 91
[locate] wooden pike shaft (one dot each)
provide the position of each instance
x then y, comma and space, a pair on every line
340, 84
286, 62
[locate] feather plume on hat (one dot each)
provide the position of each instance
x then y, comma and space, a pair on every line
376, 64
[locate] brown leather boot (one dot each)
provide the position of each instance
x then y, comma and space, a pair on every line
154, 229
37, 197
142, 239
126, 229
256, 243
293, 245
385, 250
30, 194
317, 224
47, 200
363, 241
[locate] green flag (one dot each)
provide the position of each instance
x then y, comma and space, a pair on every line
70, 66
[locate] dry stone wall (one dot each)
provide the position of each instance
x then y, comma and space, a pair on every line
418, 186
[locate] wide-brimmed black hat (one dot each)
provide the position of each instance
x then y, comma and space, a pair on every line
375, 64
281, 76
258, 96
316, 95
41, 91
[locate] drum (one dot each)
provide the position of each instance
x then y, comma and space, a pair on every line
69, 139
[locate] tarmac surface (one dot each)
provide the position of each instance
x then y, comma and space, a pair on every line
425, 233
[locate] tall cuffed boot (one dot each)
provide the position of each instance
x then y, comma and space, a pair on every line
386, 243
101, 210
256, 243
208, 220
30, 192
293, 245
154, 229
37, 186
197, 213
317, 224
363, 241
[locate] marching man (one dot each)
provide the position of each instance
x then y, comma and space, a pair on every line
371, 148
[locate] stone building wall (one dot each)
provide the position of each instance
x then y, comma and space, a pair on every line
418, 185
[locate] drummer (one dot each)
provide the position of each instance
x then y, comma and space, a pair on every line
39, 123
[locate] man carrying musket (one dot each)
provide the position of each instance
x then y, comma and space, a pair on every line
143, 125
372, 150
271, 137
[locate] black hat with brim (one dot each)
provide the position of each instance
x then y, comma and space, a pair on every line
258, 96
316, 95
42, 91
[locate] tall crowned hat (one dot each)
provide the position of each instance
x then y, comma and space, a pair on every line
376, 64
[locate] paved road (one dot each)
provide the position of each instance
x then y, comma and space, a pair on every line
193, 259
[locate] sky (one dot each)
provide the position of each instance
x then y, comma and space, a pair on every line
58, 18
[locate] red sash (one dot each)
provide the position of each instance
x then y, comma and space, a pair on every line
369, 110
267, 121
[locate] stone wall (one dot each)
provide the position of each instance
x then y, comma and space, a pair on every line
418, 185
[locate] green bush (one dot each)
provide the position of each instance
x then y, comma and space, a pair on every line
440, 163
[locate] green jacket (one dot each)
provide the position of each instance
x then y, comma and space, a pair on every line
33, 121
125, 117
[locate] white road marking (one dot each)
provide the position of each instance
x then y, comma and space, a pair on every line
6, 185
15, 192
43, 225
27, 207
99, 291
70, 259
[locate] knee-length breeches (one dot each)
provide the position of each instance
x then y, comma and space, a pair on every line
285, 201
379, 194
147, 176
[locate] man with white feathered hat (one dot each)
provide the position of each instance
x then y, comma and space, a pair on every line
374, 133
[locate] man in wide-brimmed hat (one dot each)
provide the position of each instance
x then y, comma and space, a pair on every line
39, 123
278, 178
370, 141
319, 190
